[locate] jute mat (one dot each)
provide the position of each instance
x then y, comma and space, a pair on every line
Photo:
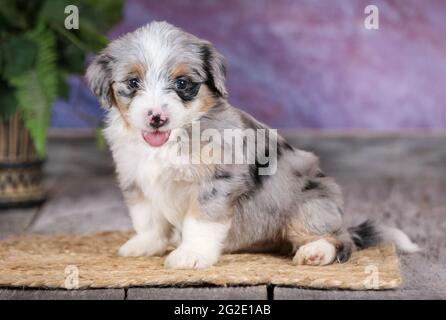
90, 261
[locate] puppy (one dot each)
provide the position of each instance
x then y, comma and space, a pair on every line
160, 85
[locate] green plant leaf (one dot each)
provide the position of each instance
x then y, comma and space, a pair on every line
11, 16
102, 14
90, 36
18, 56
52, 10
71, 58
35, 63
37, 89
95, 18
8, 102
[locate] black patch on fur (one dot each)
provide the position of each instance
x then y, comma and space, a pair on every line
101, 87
257, 178
310, 185
189, 95
208, 195
255, 182
365, 235
104, 61
190, 91
223, 69
249, 123
219, 174
320, 174
286, 146
206, 56
341, 212
279, 151
344, 252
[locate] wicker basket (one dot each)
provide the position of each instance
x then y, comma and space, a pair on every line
20, 167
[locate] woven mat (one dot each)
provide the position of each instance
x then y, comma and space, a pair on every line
90, 261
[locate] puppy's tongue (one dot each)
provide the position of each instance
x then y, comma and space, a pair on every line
156, 138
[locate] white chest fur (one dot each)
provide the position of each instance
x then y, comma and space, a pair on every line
155, 172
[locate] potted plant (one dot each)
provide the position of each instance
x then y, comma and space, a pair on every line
37, 52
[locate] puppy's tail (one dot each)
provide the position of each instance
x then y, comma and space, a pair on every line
371, 233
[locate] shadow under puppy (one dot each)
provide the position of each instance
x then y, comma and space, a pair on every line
156, 83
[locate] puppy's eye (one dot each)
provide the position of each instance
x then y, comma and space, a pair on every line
133, 83
185, 88
181, 84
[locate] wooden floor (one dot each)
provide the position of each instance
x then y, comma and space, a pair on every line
400, 180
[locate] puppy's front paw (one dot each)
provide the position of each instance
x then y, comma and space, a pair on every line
142, 245
188, 258
317, 253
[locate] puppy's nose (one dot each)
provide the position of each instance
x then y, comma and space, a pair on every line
157, 120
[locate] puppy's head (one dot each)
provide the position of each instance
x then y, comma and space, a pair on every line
159, 78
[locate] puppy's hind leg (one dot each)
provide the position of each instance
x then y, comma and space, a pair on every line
318, 253
323, 250
317, 241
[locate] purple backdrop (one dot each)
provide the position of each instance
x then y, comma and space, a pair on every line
309, 64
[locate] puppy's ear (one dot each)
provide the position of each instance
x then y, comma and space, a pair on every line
214, 67
99, 75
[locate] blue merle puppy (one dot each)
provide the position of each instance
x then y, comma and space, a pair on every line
169, 126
